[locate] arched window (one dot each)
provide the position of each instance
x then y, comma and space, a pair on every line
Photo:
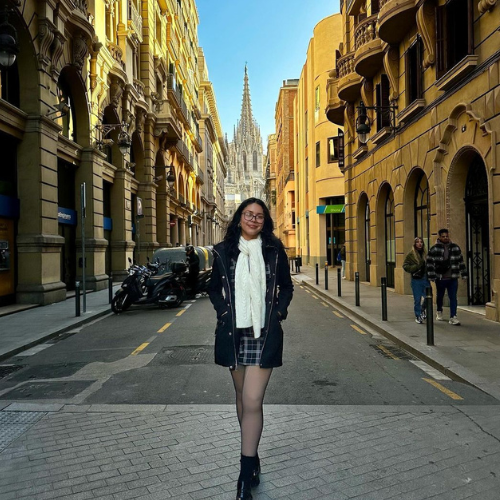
422, 210
255, 166
390, 238
67, 121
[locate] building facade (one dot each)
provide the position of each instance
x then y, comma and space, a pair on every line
270, 194
105, 119
285, 172
319, 179
245, 177
418, 91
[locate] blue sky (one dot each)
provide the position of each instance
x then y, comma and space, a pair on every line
272, 36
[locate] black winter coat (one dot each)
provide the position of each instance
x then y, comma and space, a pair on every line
279, 291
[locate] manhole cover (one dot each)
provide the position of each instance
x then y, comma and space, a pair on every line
47, 390
392, 352
186, 355
6, 370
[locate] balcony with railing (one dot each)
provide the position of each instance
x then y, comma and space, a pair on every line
369, 55
349, 83
395, 19
134, 20
174, 94
335, 106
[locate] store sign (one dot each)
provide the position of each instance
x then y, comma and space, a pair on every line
330, 209
66, 216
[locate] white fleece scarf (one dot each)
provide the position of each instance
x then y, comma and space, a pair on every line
250, 286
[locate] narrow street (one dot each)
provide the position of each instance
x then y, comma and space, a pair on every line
153, 356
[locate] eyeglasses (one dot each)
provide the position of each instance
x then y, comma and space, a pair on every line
248, 216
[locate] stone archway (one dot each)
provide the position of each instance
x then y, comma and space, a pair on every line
363, 253
386, 235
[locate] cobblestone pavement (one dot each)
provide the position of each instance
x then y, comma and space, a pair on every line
307, 452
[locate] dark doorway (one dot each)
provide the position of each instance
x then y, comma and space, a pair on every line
478, 255
390, 239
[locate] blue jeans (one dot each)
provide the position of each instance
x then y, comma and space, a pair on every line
452, 286
418, 287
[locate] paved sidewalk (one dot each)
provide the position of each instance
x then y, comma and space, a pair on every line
470, 352
307, 452
26, 328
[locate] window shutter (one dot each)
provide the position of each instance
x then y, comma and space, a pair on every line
440, 41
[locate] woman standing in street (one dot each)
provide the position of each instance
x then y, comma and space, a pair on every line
415, 265
250, 290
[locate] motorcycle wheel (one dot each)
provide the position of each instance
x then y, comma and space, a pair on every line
180, 299
120, 303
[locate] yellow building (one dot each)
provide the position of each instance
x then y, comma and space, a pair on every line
108, 99
319, 182
418, 95
285, 173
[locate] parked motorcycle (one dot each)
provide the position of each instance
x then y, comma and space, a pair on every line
150, 285
202, 283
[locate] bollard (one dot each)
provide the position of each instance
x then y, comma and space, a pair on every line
326, 275
383, 286
339, 282
356, 288
317, 273
430, 316
110, 287
77, 299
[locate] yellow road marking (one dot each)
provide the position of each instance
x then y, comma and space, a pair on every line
326, 305
358, 329
389, 353
164, 327
308, 291
317, 298
338, 314
140, 348
443, 389
180, 313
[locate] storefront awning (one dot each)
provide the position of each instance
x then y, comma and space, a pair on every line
330, 209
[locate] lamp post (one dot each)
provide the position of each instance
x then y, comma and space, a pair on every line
8, 40
363, 122
124, 142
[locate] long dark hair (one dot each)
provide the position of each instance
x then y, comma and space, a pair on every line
233, 231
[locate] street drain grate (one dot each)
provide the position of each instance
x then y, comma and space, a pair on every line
186, 355
392, 352
6, 370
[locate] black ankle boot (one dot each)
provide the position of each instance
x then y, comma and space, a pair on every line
245, 480
244, 491
256, 472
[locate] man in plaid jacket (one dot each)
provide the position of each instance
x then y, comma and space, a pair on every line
445, 264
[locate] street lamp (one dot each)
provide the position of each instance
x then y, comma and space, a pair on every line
8, 40
124, 142
363, 123
171, 177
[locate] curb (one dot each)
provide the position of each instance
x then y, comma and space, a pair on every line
385, 330
53, 334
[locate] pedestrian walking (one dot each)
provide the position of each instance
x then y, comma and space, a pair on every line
193, 262
445, 264
250, 290
342, 260
415, 264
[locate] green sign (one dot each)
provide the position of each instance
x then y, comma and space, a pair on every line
330, 209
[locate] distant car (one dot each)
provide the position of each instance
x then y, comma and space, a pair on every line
178, 254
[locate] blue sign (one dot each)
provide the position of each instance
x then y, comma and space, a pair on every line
66, 216
9, 207
108, 224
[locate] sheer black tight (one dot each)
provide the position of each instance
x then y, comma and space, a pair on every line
250, 383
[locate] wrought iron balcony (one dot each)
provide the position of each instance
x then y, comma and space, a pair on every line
349, 83
134, 19
369, 54
395, 19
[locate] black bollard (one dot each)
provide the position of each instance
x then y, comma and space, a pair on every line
77, 299
326, 275
430, 316
110, 287
339, 282
317, 273
356, 288
383, 287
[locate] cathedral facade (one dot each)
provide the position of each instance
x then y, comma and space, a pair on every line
245, 177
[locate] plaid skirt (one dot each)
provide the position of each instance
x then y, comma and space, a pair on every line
250, 347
